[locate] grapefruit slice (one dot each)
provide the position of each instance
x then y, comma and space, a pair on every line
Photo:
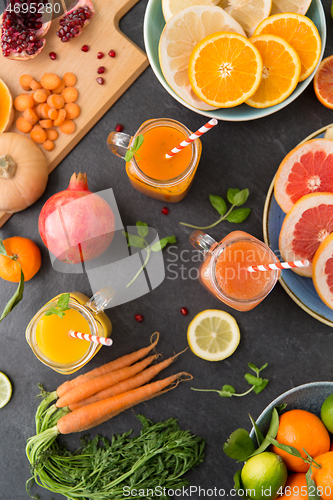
308, 168
305, 227
323, 82
323, 271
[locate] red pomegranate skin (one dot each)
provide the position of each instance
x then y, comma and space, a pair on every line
75, 224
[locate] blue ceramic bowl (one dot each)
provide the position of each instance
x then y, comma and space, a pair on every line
299, 288
152, 29
307, 397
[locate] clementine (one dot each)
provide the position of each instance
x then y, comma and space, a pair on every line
296, 487
301, 429
23, 251
323, 477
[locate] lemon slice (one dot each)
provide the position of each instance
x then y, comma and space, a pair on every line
179, 37
248, 13
213, 335
172, 7
5, 389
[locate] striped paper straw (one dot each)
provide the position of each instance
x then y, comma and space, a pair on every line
192, 137
90, 338
280, 265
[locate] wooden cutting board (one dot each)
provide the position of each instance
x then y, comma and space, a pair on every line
101, 35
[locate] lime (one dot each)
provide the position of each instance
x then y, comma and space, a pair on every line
327, 413
213, 335
263, 475
5, 389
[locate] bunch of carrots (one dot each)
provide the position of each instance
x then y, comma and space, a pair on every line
96, 396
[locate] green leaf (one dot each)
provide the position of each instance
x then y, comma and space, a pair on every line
311, 485
239, 446
16, 298
231, 195
54, 310
241, 197
289, 449
253, 367
129, 155
252, 380
238, 485
281, 407
257, 431
136, 241
272, 432
139, 142
2, 249
227, 391
261, 387
63, 301
229, 388
143, 229
160, 244
218, 203
263, 367
239, 215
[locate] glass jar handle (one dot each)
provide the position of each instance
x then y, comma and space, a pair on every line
202, 241
101, 299
118, 143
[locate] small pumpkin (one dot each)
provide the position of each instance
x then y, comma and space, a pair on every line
23, 172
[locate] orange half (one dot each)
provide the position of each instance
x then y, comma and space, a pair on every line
225, 69
6, 108
300, 32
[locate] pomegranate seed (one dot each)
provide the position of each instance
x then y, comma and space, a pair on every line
165, 210
112, 53
139, 318
53, 56
184, 311
101, 70
85, 48
100, 55
100, 80
119, 127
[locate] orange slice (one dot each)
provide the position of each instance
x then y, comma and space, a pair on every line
6, 108
302, 35
280, 74
322, 274
323, 82
225, 69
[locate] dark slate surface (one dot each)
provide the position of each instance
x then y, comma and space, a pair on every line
296, 347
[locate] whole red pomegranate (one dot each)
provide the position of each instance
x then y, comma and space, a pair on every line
76, 225
22, 28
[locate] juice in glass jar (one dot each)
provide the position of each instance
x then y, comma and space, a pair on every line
150, 172
48, 336
224, 269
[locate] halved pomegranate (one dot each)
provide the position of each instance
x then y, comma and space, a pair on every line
72, 23
23, 24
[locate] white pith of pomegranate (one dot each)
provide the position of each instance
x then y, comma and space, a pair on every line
76, 19
21, 31
76, 225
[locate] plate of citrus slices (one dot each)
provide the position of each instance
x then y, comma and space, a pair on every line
234, 60
298, 222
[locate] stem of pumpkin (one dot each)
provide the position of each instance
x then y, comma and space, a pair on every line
7, 167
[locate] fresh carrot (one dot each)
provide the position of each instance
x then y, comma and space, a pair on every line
126, 385
96, 413
97, 384
116, 364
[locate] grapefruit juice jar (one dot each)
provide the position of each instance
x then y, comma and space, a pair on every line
224, 269
48, 335
149, 171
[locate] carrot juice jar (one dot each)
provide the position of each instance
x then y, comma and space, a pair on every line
149, 171
224, 270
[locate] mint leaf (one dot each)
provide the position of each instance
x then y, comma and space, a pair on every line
63, 301
254, 367
227, 391
263, 367
129, 155
142, 228
239, 445
252, 380
16, 298
241, 197
239, 215
260, 387
139, 141
136, 241
218, 203
160, 244
231, 194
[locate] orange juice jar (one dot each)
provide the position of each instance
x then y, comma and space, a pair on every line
150, 172
224, 269
48, 335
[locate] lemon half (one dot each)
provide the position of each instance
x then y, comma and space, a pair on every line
5, 389
213, 335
